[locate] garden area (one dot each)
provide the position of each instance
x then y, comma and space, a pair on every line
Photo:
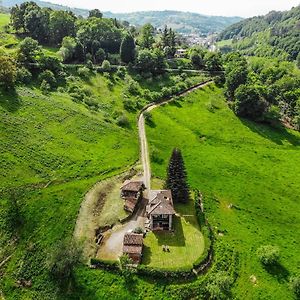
185, 244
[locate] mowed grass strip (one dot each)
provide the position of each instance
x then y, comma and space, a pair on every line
234, 161
186, 242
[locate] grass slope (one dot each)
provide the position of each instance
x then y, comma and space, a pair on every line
234, 161
53, 150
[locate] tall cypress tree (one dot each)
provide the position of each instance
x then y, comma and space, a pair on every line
177, 178
127, 50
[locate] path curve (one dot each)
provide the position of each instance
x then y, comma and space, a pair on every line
144, 152
111, 247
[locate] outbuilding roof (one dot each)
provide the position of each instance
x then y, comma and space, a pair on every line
132, 186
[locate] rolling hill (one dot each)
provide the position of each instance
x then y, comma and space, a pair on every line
183, 22
275, 34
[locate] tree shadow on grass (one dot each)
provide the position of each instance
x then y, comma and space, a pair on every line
150, 123
10, 100
147, 253
175, 238
278, 271
276, 134
175, 103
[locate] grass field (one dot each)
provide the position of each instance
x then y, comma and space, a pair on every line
186, 244
234, 161
53, 150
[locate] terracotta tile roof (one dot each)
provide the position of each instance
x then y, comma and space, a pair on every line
132, 186
131, 239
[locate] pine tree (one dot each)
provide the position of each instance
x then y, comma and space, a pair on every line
127, 50
177, 178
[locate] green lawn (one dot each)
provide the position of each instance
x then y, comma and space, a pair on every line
186, 244
233, 161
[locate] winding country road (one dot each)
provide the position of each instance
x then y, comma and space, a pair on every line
142, 132
111, 248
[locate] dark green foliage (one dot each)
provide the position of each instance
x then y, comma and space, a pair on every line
249, 103
236, 73
61, 24
268, 255
106, 67
95, 13
127, 50
23, 75
219, 287
96, 33
196, 59
7, 72
150, 61
50, 63
275, 34
48, 77
43, 24
100, 56
213, 61
64, 258
169, 42
298, 60
177, 178
146, 39
123, 121
29, 50
295, 285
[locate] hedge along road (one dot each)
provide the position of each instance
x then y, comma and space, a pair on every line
111, 248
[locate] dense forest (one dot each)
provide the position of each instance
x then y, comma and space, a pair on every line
276, 34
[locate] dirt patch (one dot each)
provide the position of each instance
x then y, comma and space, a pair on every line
102, 207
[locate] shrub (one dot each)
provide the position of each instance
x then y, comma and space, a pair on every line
129, 104
84, 72
138, 230
106, 67
23, 75
295, 285
268, 255
48, 76
132, 87
45, 87
219, 287
121, 72
148, 117
105, 264
62, 261
123, 121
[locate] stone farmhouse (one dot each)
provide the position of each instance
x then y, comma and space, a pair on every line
160, 210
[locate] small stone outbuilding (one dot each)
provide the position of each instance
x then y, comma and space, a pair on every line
133, 246
132, 193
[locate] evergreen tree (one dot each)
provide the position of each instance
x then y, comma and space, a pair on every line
127, 50
177, 178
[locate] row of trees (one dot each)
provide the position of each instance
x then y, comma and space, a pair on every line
261, 90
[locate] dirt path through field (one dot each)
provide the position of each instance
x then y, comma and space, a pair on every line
142, 133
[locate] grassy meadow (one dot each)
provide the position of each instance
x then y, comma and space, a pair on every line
53, 150
249, 176
186, 243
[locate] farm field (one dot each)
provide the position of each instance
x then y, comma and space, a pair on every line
249, 176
